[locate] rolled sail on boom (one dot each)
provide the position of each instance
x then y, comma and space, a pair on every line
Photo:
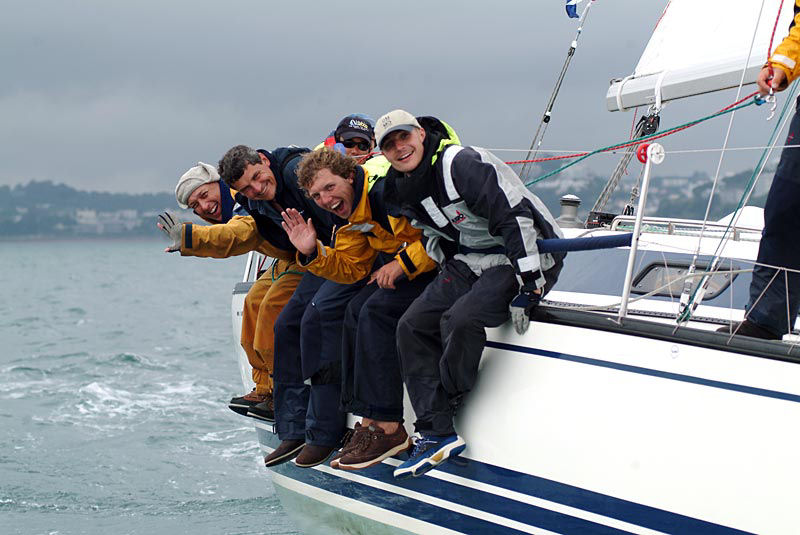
701, 46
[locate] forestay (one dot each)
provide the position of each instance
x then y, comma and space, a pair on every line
702, 46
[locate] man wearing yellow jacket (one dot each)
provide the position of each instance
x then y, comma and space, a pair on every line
372, 384
770, 314
231, 235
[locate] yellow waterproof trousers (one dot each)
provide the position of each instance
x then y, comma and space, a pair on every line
263, 303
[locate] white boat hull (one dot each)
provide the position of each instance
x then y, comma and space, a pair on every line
577, 430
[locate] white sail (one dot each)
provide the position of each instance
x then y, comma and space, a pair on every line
702, 46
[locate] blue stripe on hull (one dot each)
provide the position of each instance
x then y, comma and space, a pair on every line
647, 371
491, 503
593, 502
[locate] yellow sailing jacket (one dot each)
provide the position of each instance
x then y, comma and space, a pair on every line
236, 237
787, 54
369, 230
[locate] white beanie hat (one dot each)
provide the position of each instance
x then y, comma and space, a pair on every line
200, 174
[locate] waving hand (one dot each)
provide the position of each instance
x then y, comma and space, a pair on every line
301, 233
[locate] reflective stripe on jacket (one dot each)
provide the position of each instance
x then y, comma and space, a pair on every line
479, 211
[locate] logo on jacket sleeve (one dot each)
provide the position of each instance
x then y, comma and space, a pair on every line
458, 218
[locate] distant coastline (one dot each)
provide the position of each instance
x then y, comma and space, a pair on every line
155, 237
44, 210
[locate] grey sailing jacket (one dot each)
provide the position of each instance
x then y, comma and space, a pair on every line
480, 203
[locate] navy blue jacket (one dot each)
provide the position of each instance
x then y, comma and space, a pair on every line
283, 163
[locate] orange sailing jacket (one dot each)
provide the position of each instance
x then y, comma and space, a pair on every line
369, 230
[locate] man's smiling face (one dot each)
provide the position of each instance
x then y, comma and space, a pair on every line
333, 193
205, 201
404, 149
257, 183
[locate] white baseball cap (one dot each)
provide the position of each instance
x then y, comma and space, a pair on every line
393, 121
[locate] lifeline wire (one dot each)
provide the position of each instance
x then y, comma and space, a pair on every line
686, 311
580, 157
750, 184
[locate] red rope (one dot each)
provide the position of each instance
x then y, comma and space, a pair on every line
633, 123
662, 15
775, 27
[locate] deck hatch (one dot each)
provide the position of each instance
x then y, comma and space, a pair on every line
669, 278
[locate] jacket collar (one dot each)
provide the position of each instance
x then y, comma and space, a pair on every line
361, 211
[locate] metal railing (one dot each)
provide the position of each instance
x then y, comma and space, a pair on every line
686, 227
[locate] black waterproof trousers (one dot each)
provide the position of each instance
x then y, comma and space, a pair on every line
775, 297
307, 377
372, 385
441, 338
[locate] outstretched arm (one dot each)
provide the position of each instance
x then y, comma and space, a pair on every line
236, 237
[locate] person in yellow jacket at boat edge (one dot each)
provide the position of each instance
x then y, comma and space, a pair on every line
229, 235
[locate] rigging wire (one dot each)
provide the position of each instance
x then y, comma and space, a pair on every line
543, 124
690, 299
673, 151
687, 288
582, 156
783, 119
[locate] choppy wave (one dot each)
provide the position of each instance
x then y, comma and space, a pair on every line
113, 398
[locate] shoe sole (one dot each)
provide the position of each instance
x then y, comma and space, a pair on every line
260, 417
366, 464
239, 409
428, 463
315, 463
288, 456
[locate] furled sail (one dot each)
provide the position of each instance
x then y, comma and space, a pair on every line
702, 46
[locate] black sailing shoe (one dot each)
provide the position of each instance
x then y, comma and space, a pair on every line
264, 410
242, 404
748, 328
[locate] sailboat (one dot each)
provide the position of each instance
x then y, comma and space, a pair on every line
622, 409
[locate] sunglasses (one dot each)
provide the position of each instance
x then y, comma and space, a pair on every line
362, 145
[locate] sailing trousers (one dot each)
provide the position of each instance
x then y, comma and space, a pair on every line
772, 310
308, 347
441, 337
372, 385
263, 303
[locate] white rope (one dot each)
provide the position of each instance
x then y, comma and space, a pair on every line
622, 82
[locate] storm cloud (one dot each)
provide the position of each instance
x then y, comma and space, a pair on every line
117, 96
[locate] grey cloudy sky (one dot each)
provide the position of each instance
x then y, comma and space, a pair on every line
124, 96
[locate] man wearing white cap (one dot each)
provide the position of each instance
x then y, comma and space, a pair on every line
231, 234
481, 223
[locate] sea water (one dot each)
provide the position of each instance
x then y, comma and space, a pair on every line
116, 365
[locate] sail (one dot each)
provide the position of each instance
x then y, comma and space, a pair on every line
702, 46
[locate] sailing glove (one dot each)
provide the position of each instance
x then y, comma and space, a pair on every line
522, 306
173, 228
